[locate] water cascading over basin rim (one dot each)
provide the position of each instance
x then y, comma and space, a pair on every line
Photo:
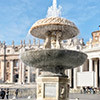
43, 26
53, 57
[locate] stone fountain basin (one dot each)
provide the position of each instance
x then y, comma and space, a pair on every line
43, 26
50, 58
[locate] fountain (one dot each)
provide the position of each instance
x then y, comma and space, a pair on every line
53, 84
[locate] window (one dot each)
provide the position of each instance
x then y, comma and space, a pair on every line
16, 76
25, 80
26, 70
96, 38
16, 49
15, 63
26, 77
95, 33
8, 51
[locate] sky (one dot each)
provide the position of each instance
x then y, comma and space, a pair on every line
17, 17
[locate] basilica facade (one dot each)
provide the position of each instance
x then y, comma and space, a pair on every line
13, 70
88, 74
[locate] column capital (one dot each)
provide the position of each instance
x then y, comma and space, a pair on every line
75, 78
81, 68
90, 58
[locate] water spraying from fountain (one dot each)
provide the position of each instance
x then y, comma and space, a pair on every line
29, 37
53, 11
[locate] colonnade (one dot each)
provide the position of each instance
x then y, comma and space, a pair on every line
2, 70
94, 66
21, 71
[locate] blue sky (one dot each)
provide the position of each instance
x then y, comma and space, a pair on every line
17, 16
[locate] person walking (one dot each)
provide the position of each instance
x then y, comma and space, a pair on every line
7, 93
2, 94
16, 93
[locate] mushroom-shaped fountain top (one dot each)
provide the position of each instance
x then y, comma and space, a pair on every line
54, 24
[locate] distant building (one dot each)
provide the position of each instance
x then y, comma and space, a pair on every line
87, 74
92, 49
12, 70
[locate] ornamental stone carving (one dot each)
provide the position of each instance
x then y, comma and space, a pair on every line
62, 91
39, 90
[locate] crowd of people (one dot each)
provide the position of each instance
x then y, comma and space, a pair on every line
90, 90
4, 93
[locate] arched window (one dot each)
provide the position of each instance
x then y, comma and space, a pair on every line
15, 63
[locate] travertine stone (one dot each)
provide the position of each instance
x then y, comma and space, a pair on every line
12, 73
52, 88
43, 26
53, 60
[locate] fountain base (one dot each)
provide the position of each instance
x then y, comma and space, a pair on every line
53, 88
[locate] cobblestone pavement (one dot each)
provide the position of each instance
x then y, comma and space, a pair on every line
72, 97
85, 96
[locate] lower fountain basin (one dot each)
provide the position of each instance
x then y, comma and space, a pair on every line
50, 58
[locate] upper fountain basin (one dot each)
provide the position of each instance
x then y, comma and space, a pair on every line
43, 26
53, 58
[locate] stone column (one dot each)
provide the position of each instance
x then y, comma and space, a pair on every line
69, 76
23, 72
2, 70
81, 68
11, 77
99, 72
37, 72
75, 78
20, 72
29, 74
66, 72
34, 41
96, 73
90, 65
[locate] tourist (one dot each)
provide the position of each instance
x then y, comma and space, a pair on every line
7, 93
84, 90
81, 90
2, 94
16, 93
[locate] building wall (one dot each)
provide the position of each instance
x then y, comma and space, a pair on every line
12, 69
91, 65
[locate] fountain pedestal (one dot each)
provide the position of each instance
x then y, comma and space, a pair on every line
53, 88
